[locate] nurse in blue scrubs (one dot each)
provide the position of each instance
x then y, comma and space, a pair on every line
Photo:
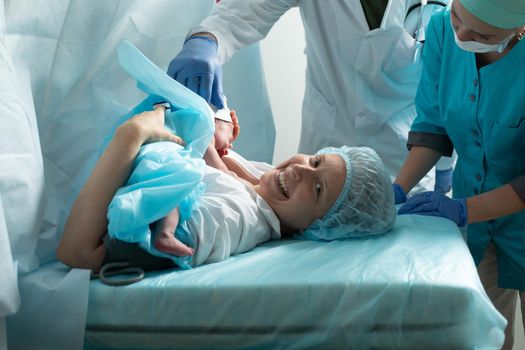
471, 98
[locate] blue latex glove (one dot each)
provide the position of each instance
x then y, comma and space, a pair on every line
399, 194
443, 181
436, 204
197, 67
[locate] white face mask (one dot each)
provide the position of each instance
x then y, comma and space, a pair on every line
474, 46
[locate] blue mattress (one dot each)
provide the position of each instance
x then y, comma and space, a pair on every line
415, 287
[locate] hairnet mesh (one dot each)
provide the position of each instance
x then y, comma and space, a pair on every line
365, 205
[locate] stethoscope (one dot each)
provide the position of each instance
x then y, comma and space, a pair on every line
419, 31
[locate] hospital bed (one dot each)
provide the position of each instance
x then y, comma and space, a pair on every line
415, 287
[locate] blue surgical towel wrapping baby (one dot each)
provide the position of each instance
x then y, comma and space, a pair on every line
165, 175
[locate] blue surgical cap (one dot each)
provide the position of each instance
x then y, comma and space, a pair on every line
504, 14
365, 206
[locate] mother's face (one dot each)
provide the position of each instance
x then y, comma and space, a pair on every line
303, 188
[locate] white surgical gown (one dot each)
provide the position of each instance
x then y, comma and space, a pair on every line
360, 83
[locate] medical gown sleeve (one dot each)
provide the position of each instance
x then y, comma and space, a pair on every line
428, 129
165, 175
239, 23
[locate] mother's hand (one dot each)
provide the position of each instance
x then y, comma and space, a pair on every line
148, 127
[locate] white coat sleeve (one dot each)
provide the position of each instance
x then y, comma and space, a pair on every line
239, 23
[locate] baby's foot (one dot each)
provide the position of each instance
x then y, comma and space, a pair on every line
167, 243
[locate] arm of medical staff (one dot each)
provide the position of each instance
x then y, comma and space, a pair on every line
81, 245
499, 202
206, 34
198, 68
399, 194
418, 163
483, 207
486, 206
434, 203
239, 23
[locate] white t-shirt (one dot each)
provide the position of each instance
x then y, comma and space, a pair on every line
231, 218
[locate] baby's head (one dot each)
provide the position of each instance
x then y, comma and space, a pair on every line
337, 193
226, 131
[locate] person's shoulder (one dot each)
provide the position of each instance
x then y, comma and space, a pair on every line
440, 20
439, 28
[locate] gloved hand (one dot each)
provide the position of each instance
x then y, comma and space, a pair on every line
197, 66
443, 181
436, 204
399, 194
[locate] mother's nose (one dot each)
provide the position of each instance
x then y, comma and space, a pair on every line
299, 170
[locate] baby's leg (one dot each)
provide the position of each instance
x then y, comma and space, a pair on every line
164, 237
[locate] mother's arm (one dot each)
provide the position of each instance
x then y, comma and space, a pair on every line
81, 245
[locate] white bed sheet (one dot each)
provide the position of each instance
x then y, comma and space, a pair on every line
416, 287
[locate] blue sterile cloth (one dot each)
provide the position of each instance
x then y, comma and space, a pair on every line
165, 175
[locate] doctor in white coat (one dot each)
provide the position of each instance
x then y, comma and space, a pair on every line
362, 70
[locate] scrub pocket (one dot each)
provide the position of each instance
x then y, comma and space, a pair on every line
505, 148
403, 65
388, 74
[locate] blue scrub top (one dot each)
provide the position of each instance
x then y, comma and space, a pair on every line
482, 112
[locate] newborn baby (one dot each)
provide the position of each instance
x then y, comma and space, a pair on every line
226, 131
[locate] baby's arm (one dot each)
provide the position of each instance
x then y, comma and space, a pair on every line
164, 235
228, 165
239, 170
212, 158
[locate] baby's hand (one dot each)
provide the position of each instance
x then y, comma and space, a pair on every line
222, 152
236, 126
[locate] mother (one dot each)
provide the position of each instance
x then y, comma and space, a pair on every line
338, 193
